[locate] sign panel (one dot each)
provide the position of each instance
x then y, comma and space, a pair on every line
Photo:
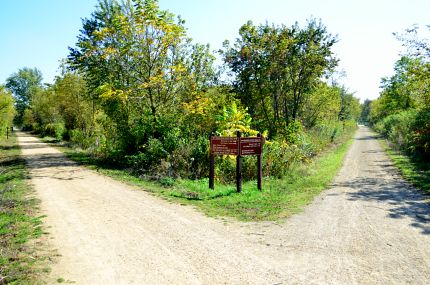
251, 146
224, 146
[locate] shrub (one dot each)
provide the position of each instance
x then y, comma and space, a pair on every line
55, 130
420, 136
398, 128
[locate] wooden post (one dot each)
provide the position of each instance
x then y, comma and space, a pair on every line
259, 164
211, 165
238, 166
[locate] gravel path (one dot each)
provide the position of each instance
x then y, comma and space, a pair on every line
369, 228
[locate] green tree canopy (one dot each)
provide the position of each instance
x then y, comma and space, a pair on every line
277, 68
140, 66
23, 85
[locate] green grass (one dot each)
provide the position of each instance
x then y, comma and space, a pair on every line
19, 261
279, 198
414, 170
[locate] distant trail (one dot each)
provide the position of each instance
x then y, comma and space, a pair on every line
369, 228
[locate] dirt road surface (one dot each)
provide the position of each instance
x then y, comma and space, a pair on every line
369, 228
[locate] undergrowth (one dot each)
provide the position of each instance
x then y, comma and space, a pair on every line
280, 198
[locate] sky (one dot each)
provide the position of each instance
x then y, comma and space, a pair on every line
38, 33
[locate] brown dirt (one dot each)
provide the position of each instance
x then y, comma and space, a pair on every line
370, 227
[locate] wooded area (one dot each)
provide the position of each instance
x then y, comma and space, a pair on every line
402, 112
136, 92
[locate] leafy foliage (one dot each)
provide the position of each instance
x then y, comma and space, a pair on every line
7, 110
277, 69
23, 85
136, 93
401, 113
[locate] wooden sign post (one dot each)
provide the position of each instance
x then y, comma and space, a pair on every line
239, 165
236, 146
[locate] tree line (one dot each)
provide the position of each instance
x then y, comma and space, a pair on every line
135, 91
402, 111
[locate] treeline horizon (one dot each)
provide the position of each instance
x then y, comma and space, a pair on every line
136, 92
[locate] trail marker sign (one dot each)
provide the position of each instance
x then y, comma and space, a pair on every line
224, 146
251, 146
239, 147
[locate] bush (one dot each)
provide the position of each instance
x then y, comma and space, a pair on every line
190, 158
420, 137
398, 128
279, 157
151, 154
55, 130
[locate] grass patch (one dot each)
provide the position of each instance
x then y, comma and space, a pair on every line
280, 198
19, 262
413, 169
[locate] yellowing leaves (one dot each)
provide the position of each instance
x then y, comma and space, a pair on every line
235, 119
199, 106
107, 92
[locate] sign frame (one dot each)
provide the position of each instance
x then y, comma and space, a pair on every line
239, 147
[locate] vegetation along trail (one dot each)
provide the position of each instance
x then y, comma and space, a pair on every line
369, 228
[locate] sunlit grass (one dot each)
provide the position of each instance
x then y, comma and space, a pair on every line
18, 221
413, 169
279, 198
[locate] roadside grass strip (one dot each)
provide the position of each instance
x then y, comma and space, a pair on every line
280, 198
19, 223
413, 169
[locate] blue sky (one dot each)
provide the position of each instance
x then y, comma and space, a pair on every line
38, 33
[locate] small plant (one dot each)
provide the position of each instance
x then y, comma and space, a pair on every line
167, 181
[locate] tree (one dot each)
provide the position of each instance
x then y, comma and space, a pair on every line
365, 112
277, 68
139, 65
402, 111
7, 110
323, 104
350, 108
23, 85
71, 98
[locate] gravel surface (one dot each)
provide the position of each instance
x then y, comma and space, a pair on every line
370, 227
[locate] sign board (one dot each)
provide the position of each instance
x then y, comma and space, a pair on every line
224, 146
251, 146
239, 147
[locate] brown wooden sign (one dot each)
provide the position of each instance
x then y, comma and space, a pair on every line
239, 147
251, 146
224, 146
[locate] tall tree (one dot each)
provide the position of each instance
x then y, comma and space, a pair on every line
350, 107
23, 85
139, 64
365, 111
276, 69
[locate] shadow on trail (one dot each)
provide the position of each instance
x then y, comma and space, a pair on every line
49, 160
33, 146
368, 138
8, 147
404, 201
62, 167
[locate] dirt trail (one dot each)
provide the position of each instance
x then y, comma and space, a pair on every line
369, 228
